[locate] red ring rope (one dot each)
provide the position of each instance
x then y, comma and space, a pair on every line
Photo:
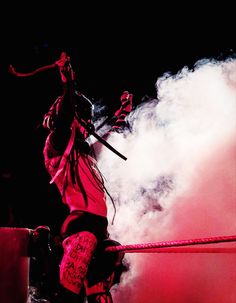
160, 245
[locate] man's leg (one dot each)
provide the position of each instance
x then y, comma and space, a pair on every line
78, 252
104, 272
100, 292
100, 298
66, 296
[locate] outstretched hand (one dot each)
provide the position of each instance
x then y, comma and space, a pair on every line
126, 96
65, 68
126, 103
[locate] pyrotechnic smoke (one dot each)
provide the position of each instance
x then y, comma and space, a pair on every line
179, 182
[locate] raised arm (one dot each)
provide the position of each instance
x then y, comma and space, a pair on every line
118, 121
61, 114
121, 114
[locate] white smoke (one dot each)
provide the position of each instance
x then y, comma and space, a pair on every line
178, 182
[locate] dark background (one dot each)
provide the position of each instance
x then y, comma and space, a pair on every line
112, 48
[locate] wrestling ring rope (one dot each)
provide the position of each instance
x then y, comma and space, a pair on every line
176, 246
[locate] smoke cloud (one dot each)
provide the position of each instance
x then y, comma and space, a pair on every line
178, 182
